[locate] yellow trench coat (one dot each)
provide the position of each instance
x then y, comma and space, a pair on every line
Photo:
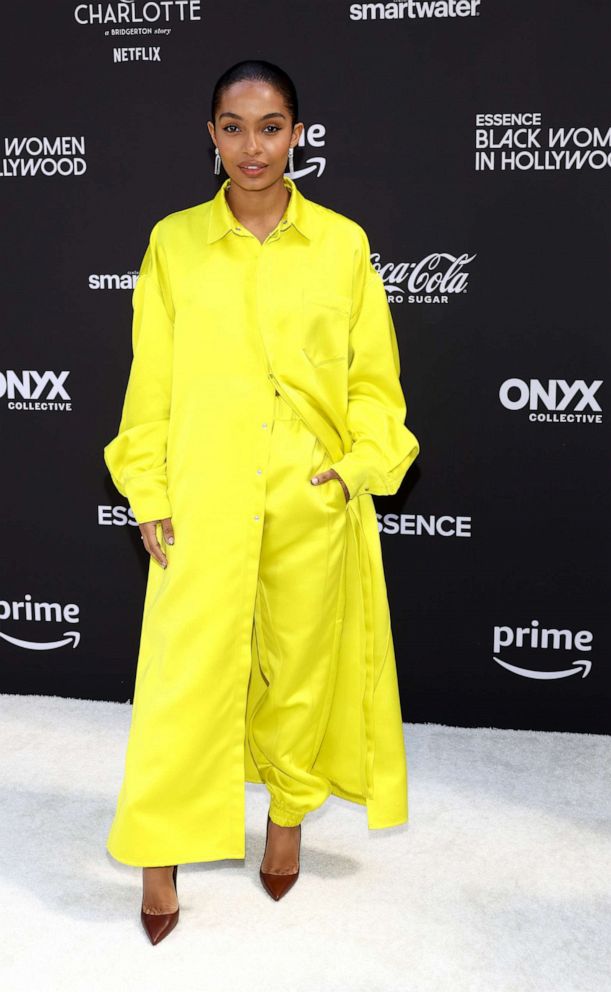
218, 318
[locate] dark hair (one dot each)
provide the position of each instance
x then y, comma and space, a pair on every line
259, 71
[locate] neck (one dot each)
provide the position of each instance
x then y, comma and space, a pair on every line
256, 205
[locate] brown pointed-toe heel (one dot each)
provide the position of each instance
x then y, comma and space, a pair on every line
278, 885
159, 925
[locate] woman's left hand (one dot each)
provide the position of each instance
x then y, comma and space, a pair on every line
331, 474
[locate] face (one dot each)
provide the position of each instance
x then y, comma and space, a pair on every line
253, 125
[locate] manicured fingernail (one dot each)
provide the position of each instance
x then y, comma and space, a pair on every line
170, 540
315, 480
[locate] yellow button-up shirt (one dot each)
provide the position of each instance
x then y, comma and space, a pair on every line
214, 308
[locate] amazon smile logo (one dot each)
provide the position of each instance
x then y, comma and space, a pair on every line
314, 136
314, 165
535, 638
28, 611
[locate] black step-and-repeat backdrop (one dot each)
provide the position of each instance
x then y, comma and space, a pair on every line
471, 140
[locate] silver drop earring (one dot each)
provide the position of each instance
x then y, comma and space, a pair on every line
217, 161
290, 159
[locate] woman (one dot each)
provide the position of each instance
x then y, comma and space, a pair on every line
263, 409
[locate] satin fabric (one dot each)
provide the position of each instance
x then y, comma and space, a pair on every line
299, 610
220, 322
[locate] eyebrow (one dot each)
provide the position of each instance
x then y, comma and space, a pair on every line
228, 113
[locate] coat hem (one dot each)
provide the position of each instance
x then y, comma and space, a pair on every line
375, 820
185, 858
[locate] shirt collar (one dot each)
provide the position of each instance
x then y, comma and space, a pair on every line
297, 213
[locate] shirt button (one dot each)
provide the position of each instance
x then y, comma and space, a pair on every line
258, 471
263, 425
256, 517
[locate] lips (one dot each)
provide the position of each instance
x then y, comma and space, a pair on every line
252, 168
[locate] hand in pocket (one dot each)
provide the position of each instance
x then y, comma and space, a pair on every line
324, 477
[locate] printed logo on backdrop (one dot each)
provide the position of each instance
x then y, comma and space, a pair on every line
519, 143
418, 525
149, 24
43, 156
99, 280
19, 621
525, 644
315, 135
413, 10
116, 516
554, 400
433, 279
31, 390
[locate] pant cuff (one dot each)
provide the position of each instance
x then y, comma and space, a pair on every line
283, 816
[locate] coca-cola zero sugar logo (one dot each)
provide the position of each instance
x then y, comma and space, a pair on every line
433, 279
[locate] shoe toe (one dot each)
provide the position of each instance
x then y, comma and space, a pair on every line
158, 926
277, 885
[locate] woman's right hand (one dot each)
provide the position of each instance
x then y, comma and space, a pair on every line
148, 533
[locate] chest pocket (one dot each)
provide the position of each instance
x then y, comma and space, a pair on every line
325, 326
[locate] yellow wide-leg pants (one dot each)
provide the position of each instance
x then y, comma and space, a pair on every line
298, 614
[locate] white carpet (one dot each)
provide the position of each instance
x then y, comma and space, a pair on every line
500, 882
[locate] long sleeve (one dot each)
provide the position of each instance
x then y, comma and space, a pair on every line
136, 457
383, 448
